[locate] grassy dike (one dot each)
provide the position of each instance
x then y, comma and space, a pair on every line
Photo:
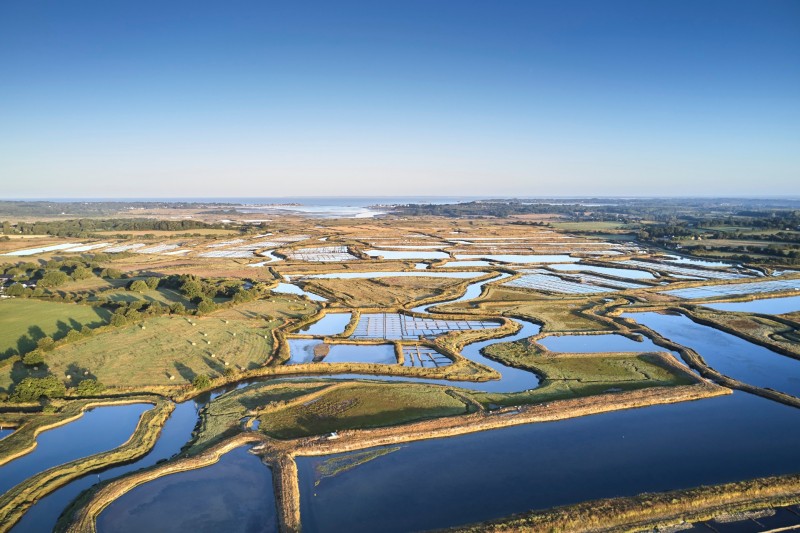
652, 510
17, 501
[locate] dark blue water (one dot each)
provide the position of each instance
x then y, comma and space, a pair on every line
445, 482
726, 353
176, 432
5, 432
768, 306
108, 427
597, 343
235, 494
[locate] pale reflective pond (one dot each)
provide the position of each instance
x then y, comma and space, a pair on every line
618, 272
373, 275
768, 306
303, 351
521, 258
597, 343
290, 288
235, 494
406, 254
330, 324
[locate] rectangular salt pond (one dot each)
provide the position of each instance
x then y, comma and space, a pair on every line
321, 254
618, 272
458, 264
43, 249
551, 283
393, 326
394, 254
520, 258
301, 351
720, 291
767, 306
290, 288
330, 324
597, 344
685, 271
372, 275
423, 356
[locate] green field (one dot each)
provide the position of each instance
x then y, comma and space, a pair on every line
297, 409
569, 376
149, 352
23, 322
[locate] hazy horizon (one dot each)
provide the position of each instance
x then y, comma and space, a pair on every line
511, 99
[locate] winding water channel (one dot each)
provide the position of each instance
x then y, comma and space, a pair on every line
477, 476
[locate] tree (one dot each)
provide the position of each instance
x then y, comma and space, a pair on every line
46, 344
53, 278
31, 389
206, 306
152, 282
16, 290
81, 273
36, 357
89, 387
138, 286
201, 381
110, 273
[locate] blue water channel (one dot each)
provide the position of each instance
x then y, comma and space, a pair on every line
109, 427
492, 474
726, 353
234, 494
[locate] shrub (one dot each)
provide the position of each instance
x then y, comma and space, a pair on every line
89, 387
46, 344
138, 286
110, 273
36, 357
53, 278
81, 273
31, 389
206, 306
152, 282
16, 290
201, 381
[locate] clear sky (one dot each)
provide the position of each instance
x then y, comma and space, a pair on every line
504, 98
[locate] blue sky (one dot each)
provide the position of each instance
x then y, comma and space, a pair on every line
527, 98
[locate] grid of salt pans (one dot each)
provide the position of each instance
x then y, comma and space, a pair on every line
88, 247
223, 244
684, 271
601, 281
322, 253
547, 282
228, 253
124, 248
160, 248
422, 356
394, 326
716, 291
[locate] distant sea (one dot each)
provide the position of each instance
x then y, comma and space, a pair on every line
312, 206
